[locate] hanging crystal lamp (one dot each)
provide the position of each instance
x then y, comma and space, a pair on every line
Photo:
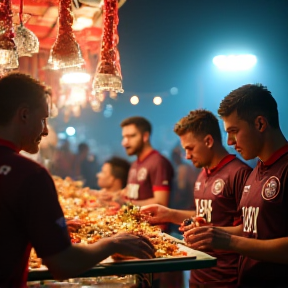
65, 51
26, 41
108, 73
8, 51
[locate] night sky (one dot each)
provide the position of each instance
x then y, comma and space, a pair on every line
165, 44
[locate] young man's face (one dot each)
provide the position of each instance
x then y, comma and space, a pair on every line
196, 150
105, 177
35, 127
245, 138
132, 140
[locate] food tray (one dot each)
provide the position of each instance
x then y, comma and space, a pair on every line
194, 260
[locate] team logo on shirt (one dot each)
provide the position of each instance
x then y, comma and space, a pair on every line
142, 174
4, 169
217, 186
246, 188
271, 188
197, 186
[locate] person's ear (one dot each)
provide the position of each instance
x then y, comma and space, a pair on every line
209, 141
23, 113
146, 136
260, 123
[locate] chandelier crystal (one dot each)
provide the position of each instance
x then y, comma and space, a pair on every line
8, 51
65, 51
108, 73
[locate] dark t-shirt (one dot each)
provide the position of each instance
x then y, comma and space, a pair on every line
265, 216
217, 195
154, 173
30, 215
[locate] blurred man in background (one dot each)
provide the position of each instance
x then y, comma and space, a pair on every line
85, 166
150, 176
113, 177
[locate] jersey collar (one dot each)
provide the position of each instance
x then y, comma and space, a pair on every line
146, 156
278, 154
9, 144
222, 163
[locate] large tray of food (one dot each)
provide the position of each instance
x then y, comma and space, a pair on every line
90, 219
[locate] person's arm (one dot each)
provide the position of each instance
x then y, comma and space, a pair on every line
234, 230
203, 238
78, 258
157, 214
274, 250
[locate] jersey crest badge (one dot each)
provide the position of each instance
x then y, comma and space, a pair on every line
142, 174
197, 186
246, 189
218, 186
4, 169
271, 188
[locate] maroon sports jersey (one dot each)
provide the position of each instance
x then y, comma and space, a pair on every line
265, 216
217, 195
31, 215
153, 173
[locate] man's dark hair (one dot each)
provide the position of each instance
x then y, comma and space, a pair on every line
83, 147
250, 101
140, 122
17, 89
201, 123
120, 169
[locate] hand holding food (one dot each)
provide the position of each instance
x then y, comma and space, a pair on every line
207, 238
132, 246
156, 214
192, 222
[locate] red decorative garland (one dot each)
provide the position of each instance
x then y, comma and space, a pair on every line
109, 55
6, 29
65, 48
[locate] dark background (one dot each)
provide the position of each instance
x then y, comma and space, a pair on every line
165, 44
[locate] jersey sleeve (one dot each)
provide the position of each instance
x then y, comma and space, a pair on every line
162, 176
239, 183
46, 225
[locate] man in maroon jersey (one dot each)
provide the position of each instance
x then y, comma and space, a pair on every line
150, 176
29, 209
217, 191
251, 120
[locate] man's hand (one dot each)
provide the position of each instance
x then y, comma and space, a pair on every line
207, 238
132, 245
156, 214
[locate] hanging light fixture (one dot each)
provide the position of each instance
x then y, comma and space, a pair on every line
65, 51
26, 41
75, 76
8, 51
108, 73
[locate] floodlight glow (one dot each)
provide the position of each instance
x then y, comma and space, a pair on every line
157, 100
75, 78
235, 62
134, 100
70, 131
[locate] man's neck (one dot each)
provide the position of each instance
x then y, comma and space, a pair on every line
145, 152
7, 133
219, 153
117, 186
273, 141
